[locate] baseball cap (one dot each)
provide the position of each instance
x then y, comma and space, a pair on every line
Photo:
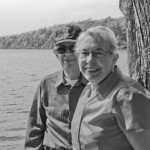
69, 33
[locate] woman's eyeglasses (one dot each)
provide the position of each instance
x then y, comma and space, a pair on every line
96, 54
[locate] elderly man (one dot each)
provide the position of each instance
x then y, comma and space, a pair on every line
56, 97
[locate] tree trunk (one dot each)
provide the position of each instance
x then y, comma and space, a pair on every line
137, 14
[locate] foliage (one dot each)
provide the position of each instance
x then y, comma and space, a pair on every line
43, 38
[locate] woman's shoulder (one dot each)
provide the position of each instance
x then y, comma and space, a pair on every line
130, 90
129, 83
132, 106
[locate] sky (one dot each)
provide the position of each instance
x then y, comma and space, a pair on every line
19, 16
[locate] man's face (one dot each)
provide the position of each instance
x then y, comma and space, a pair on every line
95, 61
66, 55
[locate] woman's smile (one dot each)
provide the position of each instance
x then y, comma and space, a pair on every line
92, 69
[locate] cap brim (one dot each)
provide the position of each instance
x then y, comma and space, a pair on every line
66, 40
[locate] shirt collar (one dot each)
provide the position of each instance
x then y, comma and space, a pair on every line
60, 79
107, 85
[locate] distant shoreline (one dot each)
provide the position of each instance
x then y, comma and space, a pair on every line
50, 49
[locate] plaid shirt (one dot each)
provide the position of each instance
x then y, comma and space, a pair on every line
51, 113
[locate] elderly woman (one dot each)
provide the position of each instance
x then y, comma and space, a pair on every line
113, 112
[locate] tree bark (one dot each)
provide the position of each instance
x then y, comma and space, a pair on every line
137, 14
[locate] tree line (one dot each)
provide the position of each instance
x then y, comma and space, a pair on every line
43, 37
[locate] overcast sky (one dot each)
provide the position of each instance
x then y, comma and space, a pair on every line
17, 16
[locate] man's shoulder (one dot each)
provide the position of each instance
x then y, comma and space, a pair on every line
51, 78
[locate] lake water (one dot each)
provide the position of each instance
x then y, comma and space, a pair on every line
20, 73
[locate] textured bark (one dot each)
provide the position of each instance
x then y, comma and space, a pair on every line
137, 13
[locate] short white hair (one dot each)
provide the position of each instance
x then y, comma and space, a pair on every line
100, 34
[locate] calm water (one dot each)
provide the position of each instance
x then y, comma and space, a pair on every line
20, 73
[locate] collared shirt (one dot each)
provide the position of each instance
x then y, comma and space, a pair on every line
116, 116
51, 113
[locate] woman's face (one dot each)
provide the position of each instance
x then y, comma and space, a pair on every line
95, 61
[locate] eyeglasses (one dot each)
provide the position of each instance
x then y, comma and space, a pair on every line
63, 49
98, 54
